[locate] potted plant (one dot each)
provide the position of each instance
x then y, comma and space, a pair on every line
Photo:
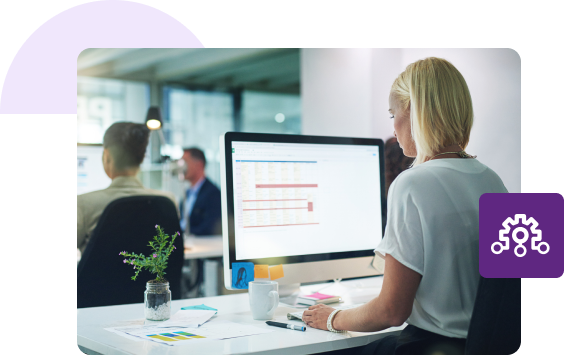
157, 294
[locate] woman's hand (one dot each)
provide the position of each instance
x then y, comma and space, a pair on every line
316, 316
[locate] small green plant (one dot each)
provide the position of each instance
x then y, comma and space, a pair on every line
156, 262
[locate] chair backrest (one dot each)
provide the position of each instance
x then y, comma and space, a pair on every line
495, 326
127, 224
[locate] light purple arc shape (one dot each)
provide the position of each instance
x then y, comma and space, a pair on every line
42, 76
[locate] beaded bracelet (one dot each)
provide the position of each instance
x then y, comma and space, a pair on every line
330, 321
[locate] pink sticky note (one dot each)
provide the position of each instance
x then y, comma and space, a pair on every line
319, 296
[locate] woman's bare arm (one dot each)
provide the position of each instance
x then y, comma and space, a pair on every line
391, 308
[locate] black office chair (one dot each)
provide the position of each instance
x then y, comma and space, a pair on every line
127, 224
495, 326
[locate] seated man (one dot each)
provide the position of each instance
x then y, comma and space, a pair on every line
124, 149
201, 210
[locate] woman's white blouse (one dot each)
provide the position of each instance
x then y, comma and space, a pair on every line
433, 229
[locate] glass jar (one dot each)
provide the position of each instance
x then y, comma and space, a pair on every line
157, 301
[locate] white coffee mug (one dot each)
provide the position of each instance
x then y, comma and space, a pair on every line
263, 298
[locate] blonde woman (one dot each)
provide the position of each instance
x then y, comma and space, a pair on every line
431, 240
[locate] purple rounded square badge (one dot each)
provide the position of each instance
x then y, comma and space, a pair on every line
521, 235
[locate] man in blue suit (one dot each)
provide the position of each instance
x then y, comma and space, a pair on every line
201, 209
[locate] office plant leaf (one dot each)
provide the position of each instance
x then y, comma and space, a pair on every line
157, 261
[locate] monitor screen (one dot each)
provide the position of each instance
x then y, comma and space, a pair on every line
90, 170
292, 199
317, 198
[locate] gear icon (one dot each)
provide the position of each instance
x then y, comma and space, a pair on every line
520, 250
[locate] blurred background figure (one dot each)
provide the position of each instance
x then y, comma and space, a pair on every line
124, 146
395, 161
201, 208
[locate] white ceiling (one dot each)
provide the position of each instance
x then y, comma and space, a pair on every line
261, 69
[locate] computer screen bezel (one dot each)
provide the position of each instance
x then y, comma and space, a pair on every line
231, 137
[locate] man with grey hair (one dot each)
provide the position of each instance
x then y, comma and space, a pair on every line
201, 209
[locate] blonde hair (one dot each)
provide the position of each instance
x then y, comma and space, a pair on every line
440, 105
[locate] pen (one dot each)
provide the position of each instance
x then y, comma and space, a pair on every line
289, 326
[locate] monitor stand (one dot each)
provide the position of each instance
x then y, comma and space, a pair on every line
289, 293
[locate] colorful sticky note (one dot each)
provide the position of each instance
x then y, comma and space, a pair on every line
241, 275
261, 271
319, 296
276, 272
202, 307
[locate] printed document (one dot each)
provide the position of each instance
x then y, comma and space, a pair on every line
175, 336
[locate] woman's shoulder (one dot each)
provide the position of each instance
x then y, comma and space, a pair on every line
445, 171
404, 182
415, 173
446, 166
470, 170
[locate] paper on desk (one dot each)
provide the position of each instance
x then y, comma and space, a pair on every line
187, 318
127, 323
219, 330
157, 334
175, 336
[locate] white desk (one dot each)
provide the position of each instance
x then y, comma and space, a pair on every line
94, 339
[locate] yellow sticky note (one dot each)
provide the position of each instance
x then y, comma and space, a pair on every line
261, 271
276, 272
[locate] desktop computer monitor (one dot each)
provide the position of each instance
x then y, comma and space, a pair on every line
314, 204
90, 170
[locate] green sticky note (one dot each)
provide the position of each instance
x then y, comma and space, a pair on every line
200, 307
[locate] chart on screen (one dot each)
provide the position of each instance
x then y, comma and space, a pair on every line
276, 193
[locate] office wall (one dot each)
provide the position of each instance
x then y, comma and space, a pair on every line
386, 66
494, 79
336, 88
345, 93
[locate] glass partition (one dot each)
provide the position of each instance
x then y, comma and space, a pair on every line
265, 112
101, 102
197, 119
